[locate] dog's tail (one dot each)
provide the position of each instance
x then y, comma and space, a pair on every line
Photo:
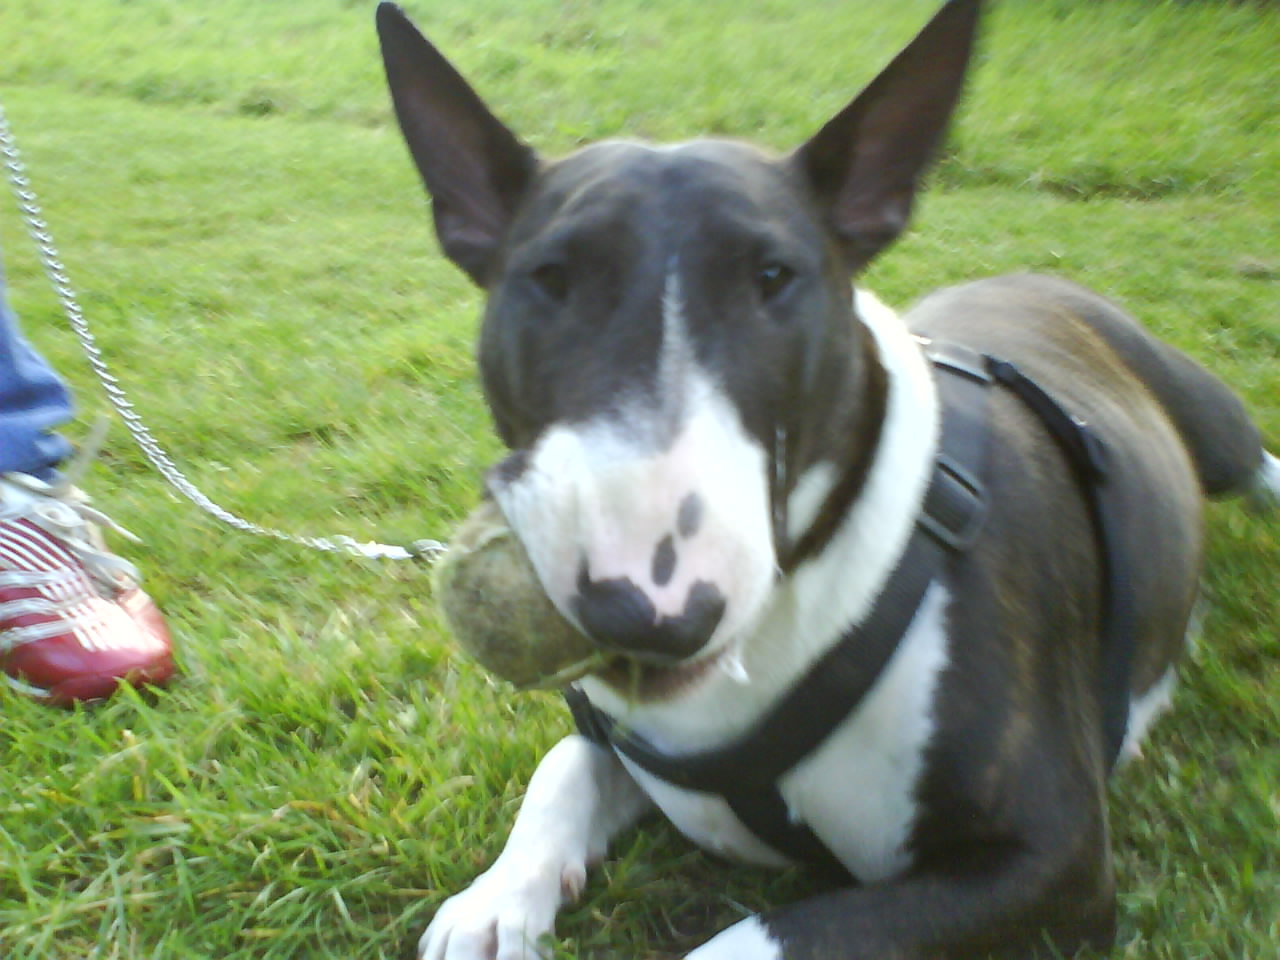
1224, 441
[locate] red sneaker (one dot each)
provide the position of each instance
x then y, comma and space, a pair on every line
73, 621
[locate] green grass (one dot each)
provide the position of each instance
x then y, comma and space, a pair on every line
246, 233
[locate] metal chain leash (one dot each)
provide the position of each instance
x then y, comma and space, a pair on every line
39, 231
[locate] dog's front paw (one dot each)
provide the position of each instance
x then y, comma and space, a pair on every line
503, 915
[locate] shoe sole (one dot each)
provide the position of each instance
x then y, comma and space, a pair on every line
92, 687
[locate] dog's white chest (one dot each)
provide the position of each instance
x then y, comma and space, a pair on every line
857, 790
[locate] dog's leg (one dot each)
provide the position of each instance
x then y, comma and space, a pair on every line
578, 799
1008, 910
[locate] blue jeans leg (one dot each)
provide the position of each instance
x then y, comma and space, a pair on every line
33, 400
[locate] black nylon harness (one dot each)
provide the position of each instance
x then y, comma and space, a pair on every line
746, 772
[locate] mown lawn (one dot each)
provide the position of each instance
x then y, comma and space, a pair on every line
247, 234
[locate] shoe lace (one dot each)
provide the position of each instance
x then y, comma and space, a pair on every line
62, 509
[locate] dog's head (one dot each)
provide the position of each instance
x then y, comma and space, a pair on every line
669, 347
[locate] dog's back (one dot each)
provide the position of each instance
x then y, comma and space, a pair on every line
1224, 444
1174, 434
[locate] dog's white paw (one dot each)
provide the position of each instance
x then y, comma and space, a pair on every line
503, 915
745, 940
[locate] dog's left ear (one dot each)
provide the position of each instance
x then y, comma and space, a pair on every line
865, 164
475, 169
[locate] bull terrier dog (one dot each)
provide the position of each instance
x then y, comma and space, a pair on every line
887, 594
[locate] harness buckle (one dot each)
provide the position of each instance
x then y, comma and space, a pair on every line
955, 507
959, 360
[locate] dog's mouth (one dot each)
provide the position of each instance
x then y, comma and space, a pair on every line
644, 682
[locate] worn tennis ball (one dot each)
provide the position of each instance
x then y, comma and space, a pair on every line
495, 606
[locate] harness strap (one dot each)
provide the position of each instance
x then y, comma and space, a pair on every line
1088, 456
746, 773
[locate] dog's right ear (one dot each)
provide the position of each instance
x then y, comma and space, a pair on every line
475, 169
866, 163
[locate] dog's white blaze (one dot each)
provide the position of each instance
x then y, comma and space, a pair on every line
609, 490
745, 940
676, 359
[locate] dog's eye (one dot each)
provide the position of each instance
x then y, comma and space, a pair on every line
553, 280
773, 279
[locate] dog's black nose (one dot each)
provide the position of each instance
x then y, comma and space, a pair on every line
618, 615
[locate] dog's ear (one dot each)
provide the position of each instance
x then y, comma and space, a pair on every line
475, 169
865, 164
